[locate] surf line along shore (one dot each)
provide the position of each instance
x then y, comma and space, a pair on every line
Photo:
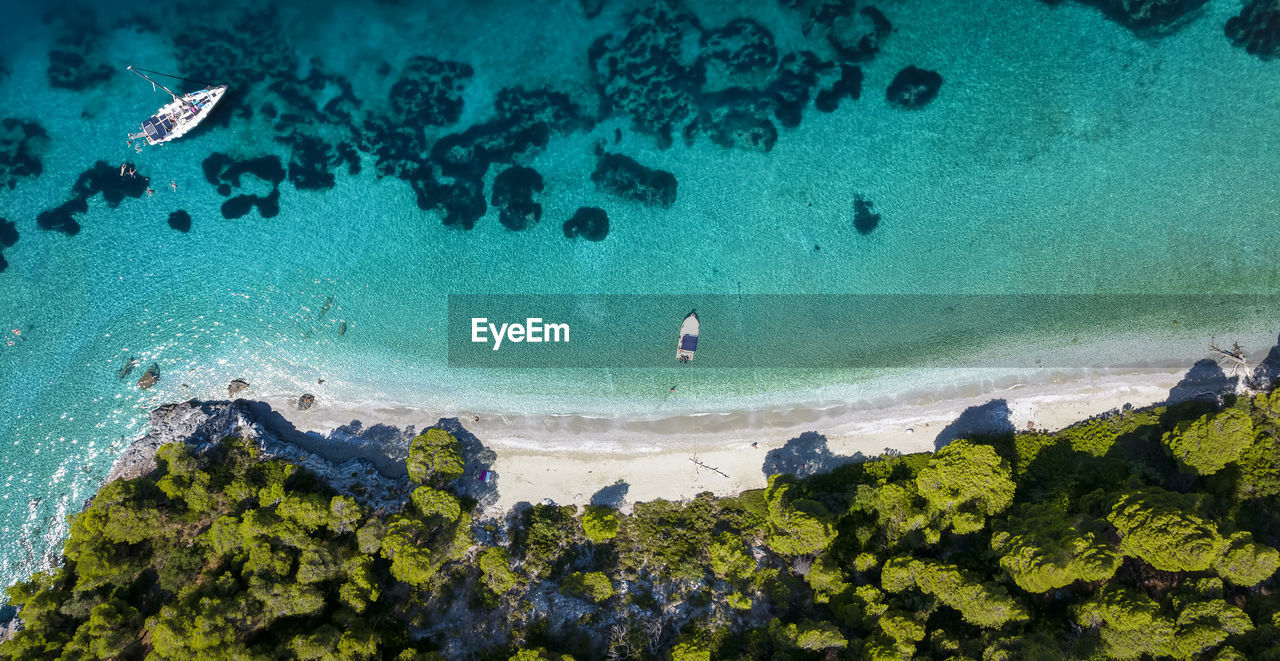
570, 457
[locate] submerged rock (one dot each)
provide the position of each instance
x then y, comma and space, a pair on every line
150, 377
342, 328
102, 179
591, 223
865, 219
8, 237
180, 220
306, 401
22, 143
429, 91
741, 46
624, 177
848, 86
513, 191
1146, 17
127, 368
913, 88
236, 387
1256, 28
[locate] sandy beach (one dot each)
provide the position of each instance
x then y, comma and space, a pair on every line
580, 459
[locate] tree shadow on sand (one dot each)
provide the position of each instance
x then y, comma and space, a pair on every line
1204, 381
805, 455
988, 420
614, 495
479, 459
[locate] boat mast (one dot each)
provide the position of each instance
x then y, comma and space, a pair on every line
154, 84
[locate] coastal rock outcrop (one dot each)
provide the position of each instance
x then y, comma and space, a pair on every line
306, 401
1256, 28
236, 387
913, 88
201, 424
625, 177
591, 223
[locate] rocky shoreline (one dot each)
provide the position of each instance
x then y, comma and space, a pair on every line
203, 423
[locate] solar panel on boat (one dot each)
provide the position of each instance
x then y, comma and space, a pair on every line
689, 343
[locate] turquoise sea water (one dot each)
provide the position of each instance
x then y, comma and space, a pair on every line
1063, 154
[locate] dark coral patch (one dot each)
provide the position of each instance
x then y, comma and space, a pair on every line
849, 86
592, 8
513, 191
469, 154
429, 91
240, 205
180, 220
225, 173
626, 178
865, 218
913, 88
647, 73
793, 85
72, 63
8, 237
858, 37
1256, 28
735, 118
462, 201
21, 143
741, 46
1152, 18
103, 179
590, 223
556, 109
8, 233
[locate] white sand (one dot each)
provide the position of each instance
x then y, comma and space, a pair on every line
568, 458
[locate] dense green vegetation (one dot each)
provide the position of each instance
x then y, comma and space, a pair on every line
1145, 534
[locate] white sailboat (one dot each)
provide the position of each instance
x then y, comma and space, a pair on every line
178, 117
688, 338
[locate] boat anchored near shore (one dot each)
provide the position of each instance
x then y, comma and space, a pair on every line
688, 338
178, 117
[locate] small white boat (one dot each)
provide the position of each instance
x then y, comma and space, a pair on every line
178, 117
688, 338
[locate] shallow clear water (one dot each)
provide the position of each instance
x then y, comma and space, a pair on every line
1062, 155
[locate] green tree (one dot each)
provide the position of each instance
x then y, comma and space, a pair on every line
808, 635
436, 457
797, 525
1044, 549
436, 505
594, 586
729, 557
495, 570
984, 604
1162, 529
1130, 623
1246, 562
600, 523
1204, 625
966, 482
1211, 442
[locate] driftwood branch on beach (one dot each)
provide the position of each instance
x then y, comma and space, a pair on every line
713, 469
1234, 359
